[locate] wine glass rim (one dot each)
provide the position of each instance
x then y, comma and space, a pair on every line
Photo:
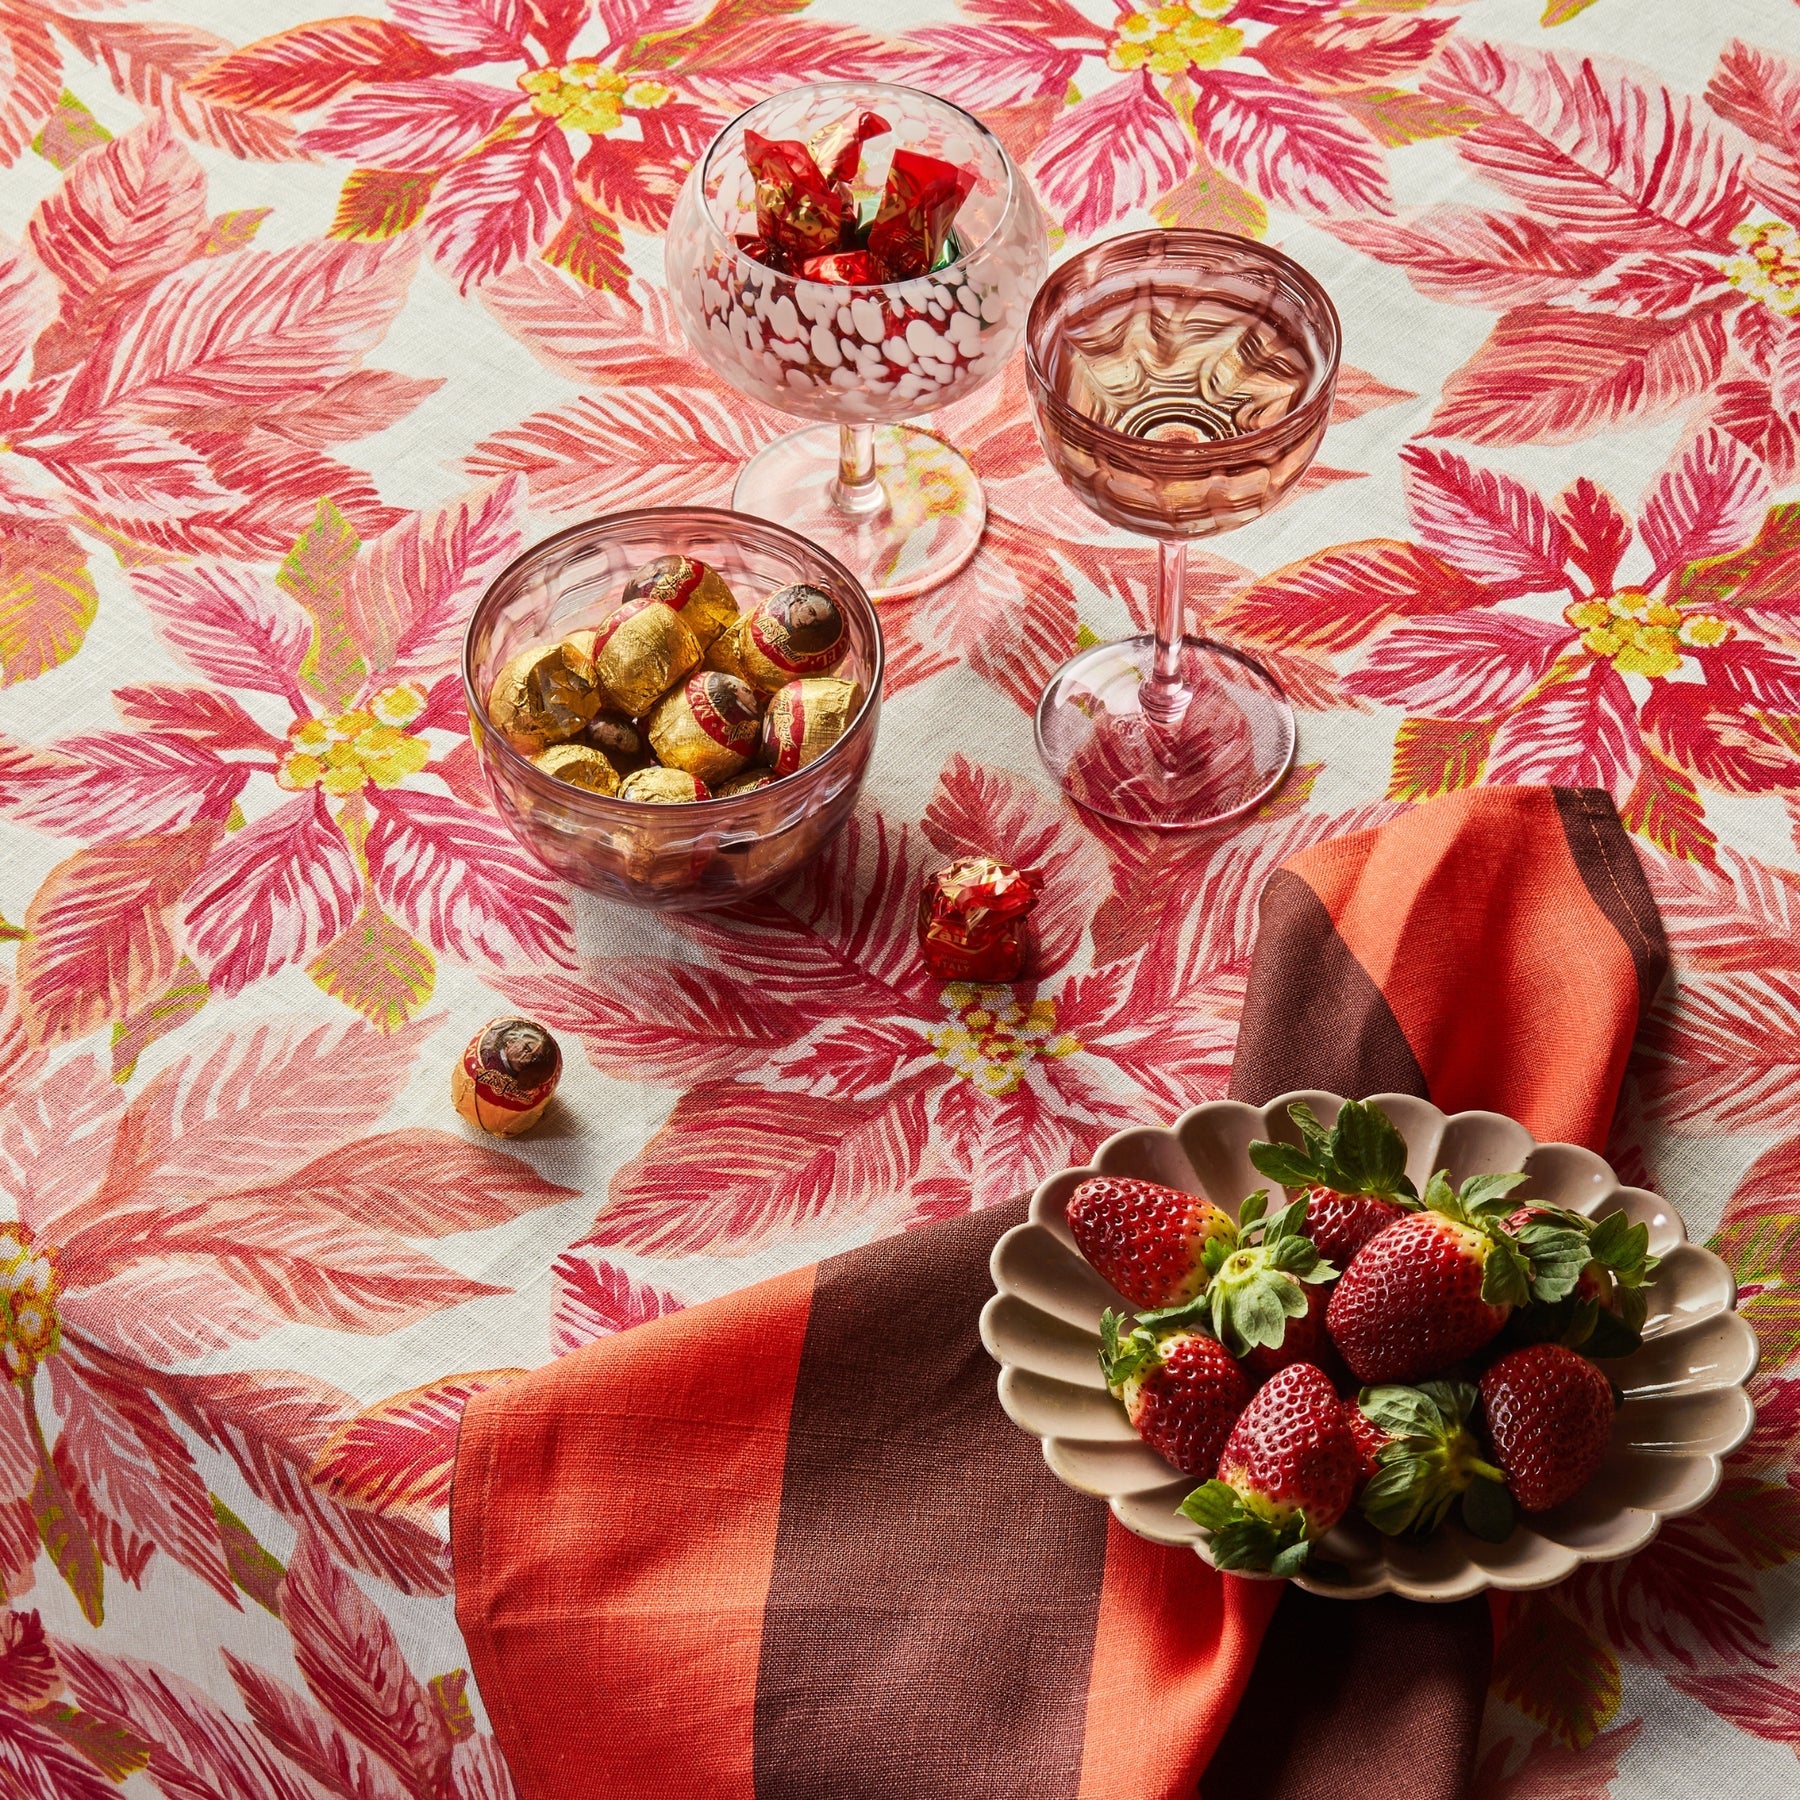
719, 236
1177, 456
615, 524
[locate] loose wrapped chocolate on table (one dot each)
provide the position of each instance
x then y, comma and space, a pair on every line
506, 1076
695, 590
642, 655
544, 696
971, 917
709, 725
806, 718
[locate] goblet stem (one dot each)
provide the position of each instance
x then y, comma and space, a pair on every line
1165, 698
856, 490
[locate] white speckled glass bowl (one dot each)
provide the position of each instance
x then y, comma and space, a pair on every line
1685, 1404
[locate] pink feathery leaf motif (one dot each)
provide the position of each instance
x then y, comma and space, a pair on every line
130, 784
36, 1764
983, 66
1473, 257
28, 1672
473, 31
1759, 92
1599, 532
309, 1740
1472, 665
1119, 149
1718, 739
35, 71
229, 624
55, 1137
501, 201
1487, 523
203, 715
424, 125
1289, 145
596, 338
294, 71
595, 1298
1707, 501
397, 1455
1344, 53
1582, 732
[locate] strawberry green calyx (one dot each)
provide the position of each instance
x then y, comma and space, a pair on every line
1253, 1290
1247, 1532
1509, 1277
1362, 1153
1430, 1460
1602, 1312
1125, 1355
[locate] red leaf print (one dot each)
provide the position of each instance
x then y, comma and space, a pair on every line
1718, 740
411, 125
144, 781
1599, 532
203, 715
984, 812
274, 893
1333, 600
28, 1672
30, 78
480, 1771
309, 1740
736, 1169
294, 71
37, 1765
353, 406
1659, 284
637, 181
1003, 1146
472, 30
594, 1298
502, 201
201, 1751
47, 599
397, 1455
272, 1423
1585, 144
1550, 375
27, 300
986, 66
1347, 52
665, 1022
459, 880
1552, 1770
1301, 151
51, 1133
1729, 1053
590, 248
1665, 807
141, 468
135, 1469
1488, 524
99, 925
638, 447
349, 1657
155, 1315
1472, 665
410, 594
1358, 392
1766, 1706
1743, 408
127, 214
1760, 93
376, 204
596, 338
183, 997
1119, 149
1707, 501
1438, 756
244, 330
1582, 732
227, 623
735, 65
1757, 674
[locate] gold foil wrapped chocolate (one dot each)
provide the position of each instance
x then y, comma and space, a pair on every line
806, 718
506, 1076
543, 696
622, 741
709, 726
796, 631
746, 783
657, 786
695, 590
644, 656
580, 765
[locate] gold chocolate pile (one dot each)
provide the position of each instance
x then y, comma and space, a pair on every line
677, 695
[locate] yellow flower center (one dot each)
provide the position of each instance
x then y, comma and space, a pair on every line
30, 1330
990, 1039
345, 752
1171, 39
586, 96
1641, 634
1767, 268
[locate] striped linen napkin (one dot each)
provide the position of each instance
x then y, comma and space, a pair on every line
786, 1546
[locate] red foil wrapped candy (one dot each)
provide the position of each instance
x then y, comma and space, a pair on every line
918, 207
971, 917
799, 212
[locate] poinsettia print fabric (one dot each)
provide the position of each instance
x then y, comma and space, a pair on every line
310, 320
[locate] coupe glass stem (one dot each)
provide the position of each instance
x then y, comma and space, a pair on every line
1163, 698
856, 489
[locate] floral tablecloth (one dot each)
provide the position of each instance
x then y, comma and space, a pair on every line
301, 338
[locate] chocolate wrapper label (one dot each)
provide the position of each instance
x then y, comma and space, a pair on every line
972, 919
709, 726
644, 657
796, 631
695, 590
622, 742
506, 1076
544, 696
805, 719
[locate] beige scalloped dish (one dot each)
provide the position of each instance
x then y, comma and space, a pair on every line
1684, 1401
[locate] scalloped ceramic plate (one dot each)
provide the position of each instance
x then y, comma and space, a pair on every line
1685, 1405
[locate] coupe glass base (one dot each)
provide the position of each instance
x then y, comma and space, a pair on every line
1223, 753
924, 524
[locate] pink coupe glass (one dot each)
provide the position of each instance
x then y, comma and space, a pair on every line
1180, 382
895, 505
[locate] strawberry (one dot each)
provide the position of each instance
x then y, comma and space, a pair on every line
1549, 1417
1256, 1290
1303, 1341
1436, 1285
1419, 1457
1148, 1241
1604, 1313
1354, 1175
1182, 1389
1286, 1475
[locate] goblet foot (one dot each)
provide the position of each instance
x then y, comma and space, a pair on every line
924, 522
1196, 756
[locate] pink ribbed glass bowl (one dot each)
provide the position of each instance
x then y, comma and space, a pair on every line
675, 858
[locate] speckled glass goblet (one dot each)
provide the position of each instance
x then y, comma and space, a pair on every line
894, 504
1180, 382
